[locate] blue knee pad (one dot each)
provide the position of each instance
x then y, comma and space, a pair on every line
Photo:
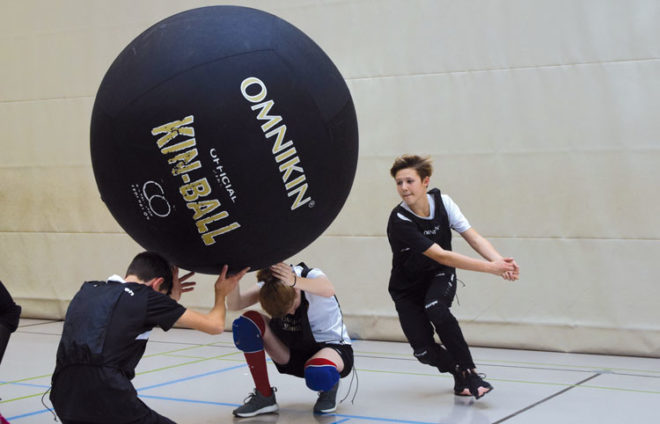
247, 336
321, 375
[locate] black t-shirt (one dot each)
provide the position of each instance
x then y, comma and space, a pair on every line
105, 334
294, 329
409, 236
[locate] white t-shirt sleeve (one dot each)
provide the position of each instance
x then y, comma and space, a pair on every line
457, 221
325, 317
313, 272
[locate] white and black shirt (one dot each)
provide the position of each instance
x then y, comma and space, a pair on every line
323, 320
410, 235
324, 314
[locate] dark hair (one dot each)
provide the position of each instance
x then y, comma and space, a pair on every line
150, 265
420, 164
275, 297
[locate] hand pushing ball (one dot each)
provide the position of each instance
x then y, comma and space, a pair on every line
224, 135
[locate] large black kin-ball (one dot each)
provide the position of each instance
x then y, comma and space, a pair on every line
224, 135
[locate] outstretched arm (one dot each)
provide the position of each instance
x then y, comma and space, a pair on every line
213, 322
320, 286
483, 247
456, 260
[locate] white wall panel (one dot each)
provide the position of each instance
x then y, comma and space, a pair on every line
52, 200
45, 133
541, 118
546, 109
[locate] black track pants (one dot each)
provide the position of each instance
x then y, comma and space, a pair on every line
425, 307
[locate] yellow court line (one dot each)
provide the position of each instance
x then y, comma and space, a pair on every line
184, 363
503, 380
493, 361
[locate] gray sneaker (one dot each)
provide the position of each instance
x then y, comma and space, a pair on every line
256, 404
327, 401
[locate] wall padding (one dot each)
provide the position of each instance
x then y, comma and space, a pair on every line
541, 119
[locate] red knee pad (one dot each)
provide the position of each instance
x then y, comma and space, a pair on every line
257, 319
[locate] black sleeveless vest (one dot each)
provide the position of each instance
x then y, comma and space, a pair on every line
87, 320
417, 266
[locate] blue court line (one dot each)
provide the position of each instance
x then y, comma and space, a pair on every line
379, 419
41, 386
346, 417
147, 388
204, 402
192, 377
29, 414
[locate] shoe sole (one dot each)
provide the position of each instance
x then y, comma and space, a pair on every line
462, 394
326, 411
489, 390
265, 410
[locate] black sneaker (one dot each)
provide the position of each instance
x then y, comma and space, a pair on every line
257, 404
475, 382
461, 385
327, 401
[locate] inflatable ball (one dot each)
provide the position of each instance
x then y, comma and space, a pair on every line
223, 135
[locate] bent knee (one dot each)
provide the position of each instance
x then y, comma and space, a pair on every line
436, 356
438, 311
248, 330
321, 374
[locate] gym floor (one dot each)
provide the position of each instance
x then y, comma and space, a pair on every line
194, 378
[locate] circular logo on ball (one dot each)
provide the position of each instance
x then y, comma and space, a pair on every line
224, 135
